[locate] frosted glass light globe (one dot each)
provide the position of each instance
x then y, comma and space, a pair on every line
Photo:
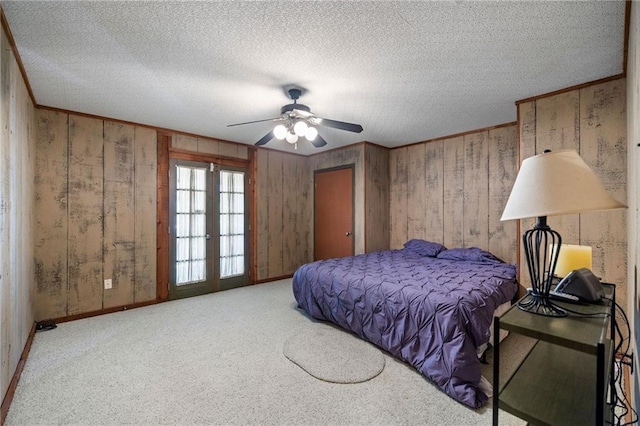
300, 128
291, 138
311, 133
280, 132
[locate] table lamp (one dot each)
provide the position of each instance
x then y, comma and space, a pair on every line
551, 184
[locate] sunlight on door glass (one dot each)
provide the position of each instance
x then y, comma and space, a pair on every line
231, 224
191, 225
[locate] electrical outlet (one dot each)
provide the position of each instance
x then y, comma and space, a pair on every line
108, 284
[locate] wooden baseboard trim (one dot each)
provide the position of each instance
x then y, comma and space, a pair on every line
269, 280
104, 311
8, 398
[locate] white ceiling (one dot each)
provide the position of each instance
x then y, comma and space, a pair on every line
406, 71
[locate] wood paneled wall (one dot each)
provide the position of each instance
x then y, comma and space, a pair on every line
284, 215
208, 146
633, 192
453, 191
17, 150
285, 204
95, 192
376, 184
591, 120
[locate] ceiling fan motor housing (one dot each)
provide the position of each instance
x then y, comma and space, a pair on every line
291, 107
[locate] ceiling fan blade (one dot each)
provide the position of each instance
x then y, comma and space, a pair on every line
349, 127
319, 141
257, 121
266, 138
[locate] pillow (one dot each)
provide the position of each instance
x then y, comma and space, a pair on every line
424, 248
474, 254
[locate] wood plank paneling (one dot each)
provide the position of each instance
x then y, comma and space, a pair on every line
458, 190
304, 203
108, 172
184, 142
145, 165
16, 256
376, 198
233, 150
17, 221
119, 210
25, 310
476, 190
283, 213
454, 160
85, 214
289, 214
209, 146
416, 192
558, 127
434, 191
398, 218
50, 251
274, 209
262, 243
7, 305
162, 214
502, 175
527, 130
603, 121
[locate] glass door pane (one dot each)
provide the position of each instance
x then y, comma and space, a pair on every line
191, 212
191, 227
232, 224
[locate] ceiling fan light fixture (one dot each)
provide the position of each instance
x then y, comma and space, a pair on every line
280, 132
300, 128
311, 133
292, 138
299, 122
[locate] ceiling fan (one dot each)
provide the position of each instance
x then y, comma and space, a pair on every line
297, 120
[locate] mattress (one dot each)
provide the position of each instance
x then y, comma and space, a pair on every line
429, 311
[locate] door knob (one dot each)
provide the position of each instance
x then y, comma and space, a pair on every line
347, 233
208, 237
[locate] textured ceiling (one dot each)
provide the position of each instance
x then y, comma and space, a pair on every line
406, 71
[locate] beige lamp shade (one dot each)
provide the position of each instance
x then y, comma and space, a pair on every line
556, 183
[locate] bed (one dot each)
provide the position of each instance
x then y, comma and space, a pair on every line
429, 306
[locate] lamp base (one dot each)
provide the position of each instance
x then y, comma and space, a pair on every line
541, 305
541, 266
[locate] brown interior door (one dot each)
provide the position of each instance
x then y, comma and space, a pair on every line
333, 213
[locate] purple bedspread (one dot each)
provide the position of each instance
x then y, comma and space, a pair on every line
429, 312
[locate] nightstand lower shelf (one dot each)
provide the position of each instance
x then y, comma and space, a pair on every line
567, 375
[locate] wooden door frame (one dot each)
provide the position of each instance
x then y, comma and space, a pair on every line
351, 166
165, 153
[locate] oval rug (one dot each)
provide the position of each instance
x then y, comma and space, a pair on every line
334, 355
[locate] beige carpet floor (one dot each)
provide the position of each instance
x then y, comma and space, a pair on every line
218, 359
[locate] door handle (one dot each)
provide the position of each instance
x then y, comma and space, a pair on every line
347, 233
208, 237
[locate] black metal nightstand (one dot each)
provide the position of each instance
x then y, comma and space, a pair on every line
564, 380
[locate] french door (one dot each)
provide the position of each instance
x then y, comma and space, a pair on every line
208, 244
